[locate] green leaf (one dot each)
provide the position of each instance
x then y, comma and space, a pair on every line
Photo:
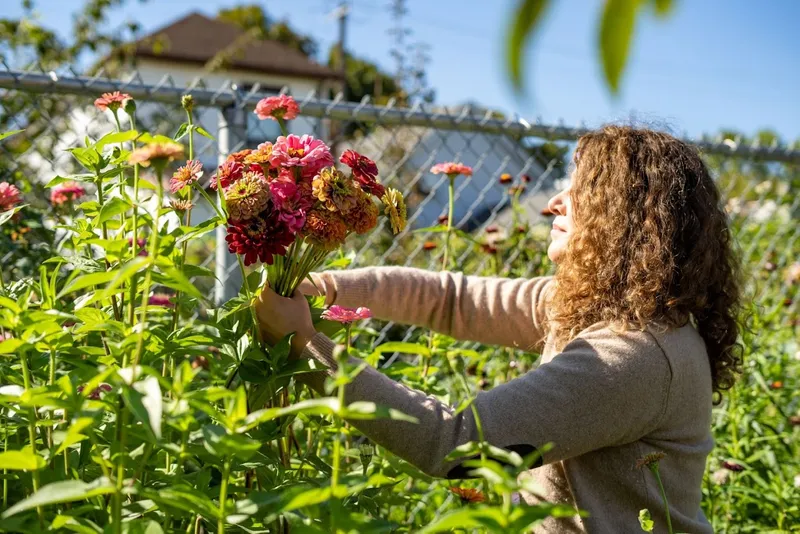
323, 406
111, 208
645, 521
63, 491
173, 278
525, 19
370, 410
201, 131
9, 134
199, 230
88, 280
222, 445
89, 158
181, 133
116, 137
402, 346
73, 434
128, 270
616, 33
184, 498
10, 346
145, 401
663, 7
6, 215
24, 460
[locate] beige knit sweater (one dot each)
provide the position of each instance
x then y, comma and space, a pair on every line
606, 400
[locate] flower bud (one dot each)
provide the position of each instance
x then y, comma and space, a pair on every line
187, 101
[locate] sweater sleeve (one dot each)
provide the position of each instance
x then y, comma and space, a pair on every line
604, 389
494, 311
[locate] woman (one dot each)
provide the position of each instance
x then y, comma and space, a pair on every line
637, 331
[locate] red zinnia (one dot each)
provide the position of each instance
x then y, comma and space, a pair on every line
259, 238
365, 171
112, 101
733, 466
428, 245
160, 299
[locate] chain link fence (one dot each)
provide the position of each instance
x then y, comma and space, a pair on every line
517, 166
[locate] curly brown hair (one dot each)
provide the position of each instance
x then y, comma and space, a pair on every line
652, 245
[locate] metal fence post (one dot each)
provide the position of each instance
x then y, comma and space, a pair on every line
232, 136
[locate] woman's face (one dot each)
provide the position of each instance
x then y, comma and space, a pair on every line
563, 225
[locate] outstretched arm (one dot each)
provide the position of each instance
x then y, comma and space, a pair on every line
496, 311
572, 402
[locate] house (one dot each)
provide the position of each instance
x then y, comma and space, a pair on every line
405, 155
201, 50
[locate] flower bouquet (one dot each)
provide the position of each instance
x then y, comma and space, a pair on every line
288, 206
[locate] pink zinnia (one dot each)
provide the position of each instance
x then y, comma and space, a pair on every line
112, 101
340, 314
66, 192
451, 169
9, 196
291, 205
228, 172
277, 107
365, 171
160, 299
311, 155
186, 175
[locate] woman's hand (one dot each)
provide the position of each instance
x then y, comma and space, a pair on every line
315, 287
279, 316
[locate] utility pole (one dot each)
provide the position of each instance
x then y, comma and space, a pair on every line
335, 128
341, 14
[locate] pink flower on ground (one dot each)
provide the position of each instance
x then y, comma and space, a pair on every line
160, 299
9, 196
186, 175
141, 243
451, 168
365, 171
66, 192
95, 393
112, 101
340, 314
228, 172
277, 107
732, 466
291, 205
311, 155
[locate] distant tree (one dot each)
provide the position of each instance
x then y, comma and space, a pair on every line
254, 19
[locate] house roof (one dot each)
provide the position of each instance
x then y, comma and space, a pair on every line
197, 39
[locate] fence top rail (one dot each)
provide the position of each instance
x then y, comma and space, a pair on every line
466, 120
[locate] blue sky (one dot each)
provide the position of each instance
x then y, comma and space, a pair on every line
712, 64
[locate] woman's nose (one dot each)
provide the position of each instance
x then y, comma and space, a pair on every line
556, 204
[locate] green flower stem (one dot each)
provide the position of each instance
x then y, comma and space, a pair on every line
223, 494
26, 378
5, 471
122, 169
99, 185
134, 246
187, 222
337, 447
125, 416
450, 210
654, 468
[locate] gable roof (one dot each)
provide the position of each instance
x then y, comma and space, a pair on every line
197, 39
